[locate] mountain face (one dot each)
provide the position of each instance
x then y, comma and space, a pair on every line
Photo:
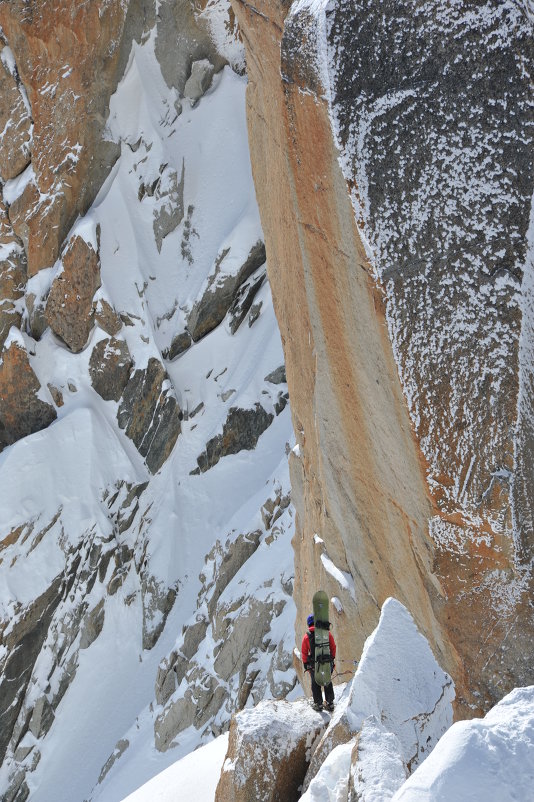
405, 130
165, 166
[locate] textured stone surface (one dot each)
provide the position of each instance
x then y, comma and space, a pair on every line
268, 752
69, 103
15, 125
452, 230
220, 292
241, 430
183, 36
69, 308
360, 479
107, 318
12, 276
179, 344
150, 415
23, 643
22, 412
109, 368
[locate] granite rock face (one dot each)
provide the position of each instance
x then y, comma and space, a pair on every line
70, 157
401, 278
15, 121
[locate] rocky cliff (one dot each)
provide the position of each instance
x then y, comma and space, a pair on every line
399, 136
145, 554
383, 195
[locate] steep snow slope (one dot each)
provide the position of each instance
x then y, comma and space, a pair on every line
115, 554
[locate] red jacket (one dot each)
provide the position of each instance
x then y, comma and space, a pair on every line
305, 649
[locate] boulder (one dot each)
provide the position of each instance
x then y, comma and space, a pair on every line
221, 290
244, 298
69, 308
24, 642
109, 368
150, 415
22, 411
268, 752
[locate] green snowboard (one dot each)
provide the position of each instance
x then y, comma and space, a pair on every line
322, 670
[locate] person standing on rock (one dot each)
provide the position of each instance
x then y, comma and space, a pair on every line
308, 658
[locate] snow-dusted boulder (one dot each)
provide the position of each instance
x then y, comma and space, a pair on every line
400, 683
268, 752
490, 758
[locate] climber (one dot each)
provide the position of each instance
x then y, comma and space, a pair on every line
308, 658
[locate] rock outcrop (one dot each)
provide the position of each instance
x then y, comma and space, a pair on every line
68, 100
413, 486
150, 415
241, 431
268, 752
69, 308
221, 291
109, 368
22, 411
247, 662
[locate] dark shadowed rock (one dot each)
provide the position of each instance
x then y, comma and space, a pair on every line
21, 410
244, 298
277, 376
23, 644
221, 291
150, 414
69, 309
241, 431
109, 368
180, 343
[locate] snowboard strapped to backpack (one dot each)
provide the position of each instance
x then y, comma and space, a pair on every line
322, 659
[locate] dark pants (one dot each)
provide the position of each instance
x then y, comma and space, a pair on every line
318, 693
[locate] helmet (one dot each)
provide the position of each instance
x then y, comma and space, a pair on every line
309, 620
